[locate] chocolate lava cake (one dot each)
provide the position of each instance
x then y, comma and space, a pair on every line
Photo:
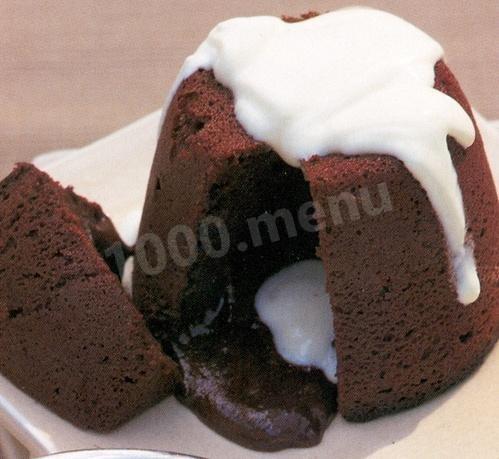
401, 335
69, 335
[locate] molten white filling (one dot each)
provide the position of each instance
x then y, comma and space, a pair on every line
354, 81
127, 278
295, 306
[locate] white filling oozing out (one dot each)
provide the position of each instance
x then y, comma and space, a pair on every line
354, 81
127, 278
295, 306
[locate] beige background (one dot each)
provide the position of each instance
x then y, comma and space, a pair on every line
72, 71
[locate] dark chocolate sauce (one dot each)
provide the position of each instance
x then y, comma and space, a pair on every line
237, 384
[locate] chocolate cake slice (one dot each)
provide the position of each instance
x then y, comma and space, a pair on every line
69, 335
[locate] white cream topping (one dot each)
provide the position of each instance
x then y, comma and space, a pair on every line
354, 81
295, 306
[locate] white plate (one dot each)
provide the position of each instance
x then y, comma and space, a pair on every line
114, 171
116, 454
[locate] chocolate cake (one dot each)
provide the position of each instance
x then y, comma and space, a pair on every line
69, 335
394, 195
